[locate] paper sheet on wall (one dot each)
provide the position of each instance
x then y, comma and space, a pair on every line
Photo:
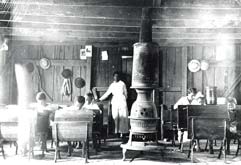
88, 50
104, 55
82, 54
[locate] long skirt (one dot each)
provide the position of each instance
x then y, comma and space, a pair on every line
120, 116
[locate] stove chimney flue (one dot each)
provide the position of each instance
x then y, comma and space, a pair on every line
146, 26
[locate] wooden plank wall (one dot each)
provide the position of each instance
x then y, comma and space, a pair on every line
222, 74
170, 74
62, 56
102, 70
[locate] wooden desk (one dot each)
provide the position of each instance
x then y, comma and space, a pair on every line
187, 112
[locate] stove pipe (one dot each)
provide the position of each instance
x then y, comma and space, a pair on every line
143, 116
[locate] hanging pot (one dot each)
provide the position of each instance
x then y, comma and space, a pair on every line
30, 67
79, 82
67, 73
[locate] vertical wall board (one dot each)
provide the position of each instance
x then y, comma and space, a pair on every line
47, 74
162, 74
76, 70
220, 80
171, 75
239, 51
68, 51
83, 74
232, 73
197, 76
209, 52
184, 71
127, 72
20, 51
94, 67
177, 66
111, 66
171, 71
210, 75
172, 97
76, 73
58, 79
189, 74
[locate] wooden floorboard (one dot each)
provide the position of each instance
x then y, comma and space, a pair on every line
111, 153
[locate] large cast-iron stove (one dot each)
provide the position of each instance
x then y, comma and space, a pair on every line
143, 117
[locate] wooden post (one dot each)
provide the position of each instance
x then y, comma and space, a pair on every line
24, 84
3, 77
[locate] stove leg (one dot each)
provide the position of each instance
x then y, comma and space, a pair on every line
137, 155
124, 154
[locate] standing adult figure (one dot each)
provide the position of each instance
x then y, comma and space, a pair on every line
119, 105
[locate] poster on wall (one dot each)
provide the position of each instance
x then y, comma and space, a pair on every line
88, 50
82, 54
104, 55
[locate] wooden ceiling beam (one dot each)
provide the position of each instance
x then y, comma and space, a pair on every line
73, 40
197, 23
104, 43
94, 33
199, 3
78, 11
118, 12
140, 3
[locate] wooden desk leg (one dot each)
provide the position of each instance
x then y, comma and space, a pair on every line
3, 151
130, 139
220, 151
181, 141
124, 154
83, 148
228, 145
224, 150
192, 148
238, 147
16, 145
206, 146
211, 147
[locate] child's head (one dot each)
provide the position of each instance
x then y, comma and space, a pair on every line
89, 97
231, 103
79, 101
191, 92
41, 98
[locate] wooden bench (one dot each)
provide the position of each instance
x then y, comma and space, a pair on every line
207, 122
207, 128
65, 131
182, 122
72, 126
168, 123
8, 128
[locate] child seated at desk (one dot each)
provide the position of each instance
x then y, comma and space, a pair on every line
90, 104
79, 101
192, 98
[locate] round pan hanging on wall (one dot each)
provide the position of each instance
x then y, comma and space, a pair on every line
67, 73
194, 65
79, 82
44, 63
